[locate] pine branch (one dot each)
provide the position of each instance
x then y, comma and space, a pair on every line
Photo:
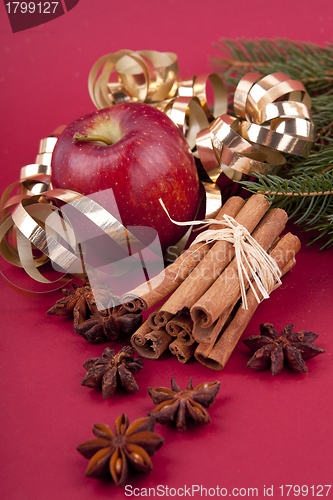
319, 161
314, 197
307, 62
304, 186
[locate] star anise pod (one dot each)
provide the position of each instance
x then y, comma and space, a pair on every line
129, 447
272, 350
81, 303
177, 405
117, 322
110, 369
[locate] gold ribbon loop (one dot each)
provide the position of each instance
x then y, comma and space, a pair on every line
283, 109
294, 126
146, 76
273, 87
30, 171
163, 74
46, 147
220, 103
187, 113
38, 223
232, 150
271, 139
241, 93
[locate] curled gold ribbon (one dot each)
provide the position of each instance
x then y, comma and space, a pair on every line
265, 129
146, 76
29, 219
34, 178
272, 112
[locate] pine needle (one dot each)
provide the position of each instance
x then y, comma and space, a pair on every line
304, 188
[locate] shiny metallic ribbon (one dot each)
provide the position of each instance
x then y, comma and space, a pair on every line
24, 227
272, 113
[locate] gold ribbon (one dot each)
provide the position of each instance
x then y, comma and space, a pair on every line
39, 223
272, 113
145, 76
254, 140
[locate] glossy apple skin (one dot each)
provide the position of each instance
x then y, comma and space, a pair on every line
149, 159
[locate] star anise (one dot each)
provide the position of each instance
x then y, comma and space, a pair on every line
110, 369
81, 302
129, 447
272, 350
117, 322
177, 405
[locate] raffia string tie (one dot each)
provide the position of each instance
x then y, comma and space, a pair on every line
253, 263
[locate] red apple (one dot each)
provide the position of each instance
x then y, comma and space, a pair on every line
146, 158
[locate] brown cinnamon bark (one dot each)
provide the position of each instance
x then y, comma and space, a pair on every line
138, 338
215, 356
210, 334
186, 337
225, 291
149, 343
179, 323
216, 260
181, 326
158, 288
159, 319
182, 351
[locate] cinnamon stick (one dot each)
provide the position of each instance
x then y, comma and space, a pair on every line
159, 319
206, 343
186, 337
138, 338
181, 351
149, 343
215, 260
210, 334
225, 291
216, 356
182, 325
158, 288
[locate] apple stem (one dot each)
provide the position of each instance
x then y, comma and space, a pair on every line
86, 138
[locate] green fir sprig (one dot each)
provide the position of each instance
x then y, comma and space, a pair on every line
304, 187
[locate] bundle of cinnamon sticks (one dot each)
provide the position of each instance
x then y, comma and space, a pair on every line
204, 314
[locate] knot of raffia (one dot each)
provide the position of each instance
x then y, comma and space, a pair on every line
254, 265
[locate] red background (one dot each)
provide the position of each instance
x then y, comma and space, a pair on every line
265, 430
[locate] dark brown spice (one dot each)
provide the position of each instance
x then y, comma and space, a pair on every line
115, 453
272, 350
81, 303
110, 369
114, 324
177, 405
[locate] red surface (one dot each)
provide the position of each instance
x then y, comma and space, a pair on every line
265, 431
